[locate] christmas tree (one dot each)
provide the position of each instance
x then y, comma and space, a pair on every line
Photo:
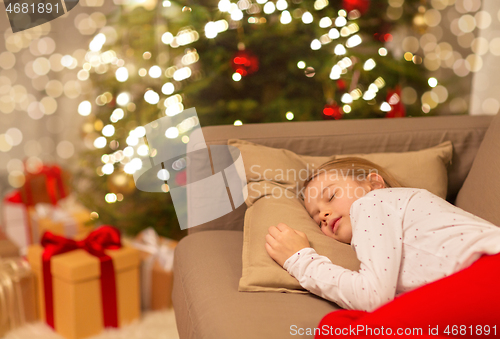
312, 59
244, 62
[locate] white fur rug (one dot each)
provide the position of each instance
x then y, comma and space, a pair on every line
152, 325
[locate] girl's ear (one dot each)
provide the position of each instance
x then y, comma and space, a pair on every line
376, 181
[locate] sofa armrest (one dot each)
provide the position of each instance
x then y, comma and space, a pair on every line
357, 136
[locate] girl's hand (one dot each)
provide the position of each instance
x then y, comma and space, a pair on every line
282, 242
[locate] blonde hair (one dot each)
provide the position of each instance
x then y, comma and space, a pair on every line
357, 168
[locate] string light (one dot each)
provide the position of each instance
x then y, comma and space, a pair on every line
236, 76
385, 107
346, 98
122, 99
269, 7
85, 108
281, 5
325, 22
100, 142
168, 88
151, 97
307, 18
155, 72
340, 49
108, 130
315, 44
369, 64
340, 21
121, 74
285, 17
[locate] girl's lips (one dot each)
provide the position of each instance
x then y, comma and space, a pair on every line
335, 225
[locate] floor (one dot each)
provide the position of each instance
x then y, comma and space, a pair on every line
153, 325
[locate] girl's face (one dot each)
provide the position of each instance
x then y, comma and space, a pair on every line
328, 201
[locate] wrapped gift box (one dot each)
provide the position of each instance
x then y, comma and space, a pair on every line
157, 259
68, 218
25, 224
48, 185
77, 296
7, 247
17, 291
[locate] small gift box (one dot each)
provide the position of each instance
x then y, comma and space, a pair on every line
17, 294
48, 185
87, 285
157, 260
42, 204
67, 218
25, 224
7, 247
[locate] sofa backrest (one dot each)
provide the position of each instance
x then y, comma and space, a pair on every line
480, 193
357, 136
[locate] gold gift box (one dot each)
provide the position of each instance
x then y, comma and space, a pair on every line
42, 223
77, 290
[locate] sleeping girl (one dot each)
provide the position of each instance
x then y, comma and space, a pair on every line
407, 239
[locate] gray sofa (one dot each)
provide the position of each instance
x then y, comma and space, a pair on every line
207, 265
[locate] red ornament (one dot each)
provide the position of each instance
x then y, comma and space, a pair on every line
383, 33
341, 85
387, 37
394, 99
332, 111
361, 5
245, 62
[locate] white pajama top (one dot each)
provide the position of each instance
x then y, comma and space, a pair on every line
404, 238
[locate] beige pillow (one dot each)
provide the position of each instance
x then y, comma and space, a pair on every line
420, 169
275, 176
260, 271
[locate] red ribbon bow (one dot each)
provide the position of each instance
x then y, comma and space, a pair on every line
54, 184
103, 238
14, 197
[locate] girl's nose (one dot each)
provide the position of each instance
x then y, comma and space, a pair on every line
324, 219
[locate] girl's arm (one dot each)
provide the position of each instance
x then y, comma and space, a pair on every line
377, 240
